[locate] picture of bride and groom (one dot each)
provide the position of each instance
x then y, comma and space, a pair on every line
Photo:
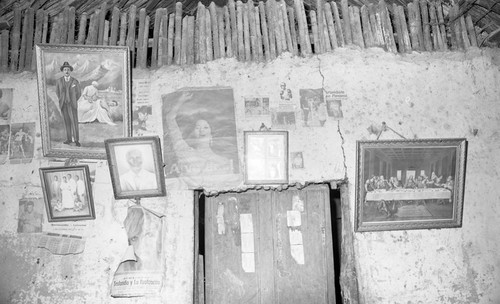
67, 192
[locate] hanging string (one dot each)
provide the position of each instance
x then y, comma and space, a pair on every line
385, 127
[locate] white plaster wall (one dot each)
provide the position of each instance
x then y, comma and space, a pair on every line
419, 95
33, 275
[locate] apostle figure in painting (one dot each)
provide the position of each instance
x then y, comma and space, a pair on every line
68, 92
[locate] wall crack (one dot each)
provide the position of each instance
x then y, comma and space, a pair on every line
338, 123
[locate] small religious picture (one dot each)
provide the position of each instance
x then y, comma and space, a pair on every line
67, 192
297, 160
136, 167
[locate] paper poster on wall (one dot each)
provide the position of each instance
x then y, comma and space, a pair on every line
5, 105
30, 215
334, 103
283, 119
22, 142
286, 96
140, 91
256, 106
199, 137
140, 272
61, 244
140, 120
313, 107
4, 143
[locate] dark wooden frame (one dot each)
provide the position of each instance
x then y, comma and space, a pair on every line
73, 50
154, 141
280, 137
47, 195
407, 208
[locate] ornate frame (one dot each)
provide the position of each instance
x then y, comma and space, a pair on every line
422, 201
109, 66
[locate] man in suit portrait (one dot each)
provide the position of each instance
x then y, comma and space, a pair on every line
68, 92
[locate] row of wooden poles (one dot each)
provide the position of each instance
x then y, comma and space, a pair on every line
247, 31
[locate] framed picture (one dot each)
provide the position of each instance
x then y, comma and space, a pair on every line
67, 193
136, 167
84, 96
410, 184
266, 157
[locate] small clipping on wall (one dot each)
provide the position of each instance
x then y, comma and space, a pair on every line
30, 215
297, 160
22, 142
5, 105
313, 107
4, 143
256, 106
334, 103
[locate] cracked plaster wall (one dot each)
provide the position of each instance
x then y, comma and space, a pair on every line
436, 95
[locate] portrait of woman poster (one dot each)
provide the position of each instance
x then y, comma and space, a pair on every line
199, 137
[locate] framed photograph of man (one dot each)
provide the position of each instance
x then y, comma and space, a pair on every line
136, 167
68, 193
84, 97
266, 157
410, 184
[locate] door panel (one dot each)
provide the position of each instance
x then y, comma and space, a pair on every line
269, 247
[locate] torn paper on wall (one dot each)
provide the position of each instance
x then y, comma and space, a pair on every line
141, 271
247, 243
61, 243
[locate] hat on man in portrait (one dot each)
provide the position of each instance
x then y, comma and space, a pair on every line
66, 65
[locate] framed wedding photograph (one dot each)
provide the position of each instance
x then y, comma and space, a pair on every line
410, 184
136, 167
266, 157
67, 193
84, 98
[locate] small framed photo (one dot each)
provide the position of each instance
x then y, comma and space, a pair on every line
136, 167
410, 184
67, 193
84, 97
266, 157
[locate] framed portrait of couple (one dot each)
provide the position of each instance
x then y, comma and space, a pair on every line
136, 167
67, 193
84, 97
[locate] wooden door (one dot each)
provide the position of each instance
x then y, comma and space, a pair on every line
269, 247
